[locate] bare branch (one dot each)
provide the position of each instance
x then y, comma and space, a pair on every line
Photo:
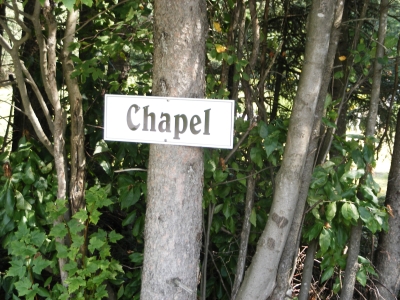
39, 96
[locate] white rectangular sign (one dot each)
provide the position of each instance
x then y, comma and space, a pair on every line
167, 120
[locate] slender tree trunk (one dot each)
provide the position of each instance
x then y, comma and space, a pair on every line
355, 234
260, 278
343, 106
175, 174
308, 270
78, 157
244, 236
291, 247
387, 260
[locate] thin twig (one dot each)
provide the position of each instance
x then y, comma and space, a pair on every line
252, 125
131, 169
220, 276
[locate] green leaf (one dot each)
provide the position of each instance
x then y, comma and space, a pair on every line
95, 216
270, 144
95, 243
39, 264
362, 276
21, 204
69, 4
327, 274
58, 231
37, 238
28, 177
227, 209
129, 195
81, 215
114, 237
23, 286
353, 174
129, 219
101, 292
136, 258
220, 176
369, 195
9, 202
263, 130
331, 211
324, 240
245, 76
365, 214
62, 250
256, 156
101, 146
74, 283
121, 291
253, 217
349, 211
17, 268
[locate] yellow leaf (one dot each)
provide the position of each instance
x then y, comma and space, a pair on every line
220, 48
342, 58
217, 27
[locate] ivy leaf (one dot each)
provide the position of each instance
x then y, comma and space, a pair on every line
81, 215
114, 237
349, 211
95, 243
17, 268
37, 238
74, 283
23, 286
39, 264
101, 292
59, 230
62, 250
95, 216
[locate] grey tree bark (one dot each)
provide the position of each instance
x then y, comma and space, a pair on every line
260, 277
173, 231
289, 255
387, 260
356, 231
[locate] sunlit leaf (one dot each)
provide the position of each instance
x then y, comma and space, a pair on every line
217, 28
219, 48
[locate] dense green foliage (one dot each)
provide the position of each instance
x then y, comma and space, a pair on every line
113, 54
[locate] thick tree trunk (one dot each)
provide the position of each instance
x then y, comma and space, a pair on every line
259, 280
387, 260
173, 231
